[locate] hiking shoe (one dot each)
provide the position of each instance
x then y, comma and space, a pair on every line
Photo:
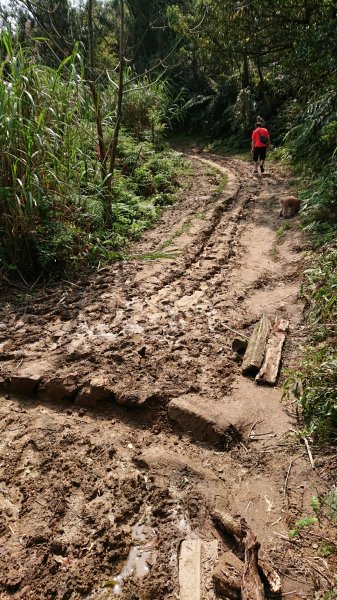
262, 168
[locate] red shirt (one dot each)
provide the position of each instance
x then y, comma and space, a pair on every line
256, 137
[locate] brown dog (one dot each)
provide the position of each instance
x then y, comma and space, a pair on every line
289, 206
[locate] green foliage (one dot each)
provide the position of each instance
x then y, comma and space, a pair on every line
326, 505
281, 230
244, 110
150, 107
312, 138
314, 383
332, 595
301, 524
325, 509
42, 158
51, 212
321, 286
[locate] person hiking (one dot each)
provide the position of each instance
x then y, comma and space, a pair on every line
260, 143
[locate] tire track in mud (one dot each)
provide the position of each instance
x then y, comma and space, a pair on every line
147, 312
80, 485
186, 270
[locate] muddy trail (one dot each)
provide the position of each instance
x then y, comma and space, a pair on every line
125, 419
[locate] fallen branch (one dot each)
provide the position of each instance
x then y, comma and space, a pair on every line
288, 474
227, 523
308, 451
252, 587
233, 330
238, 531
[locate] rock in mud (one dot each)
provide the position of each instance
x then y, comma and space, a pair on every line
57, 389
204, 420
98, 389
154, 457
26, 378
136, 397
227, 576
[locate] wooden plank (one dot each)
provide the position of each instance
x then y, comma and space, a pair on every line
209, 558
189, 570
256, 348
271, 364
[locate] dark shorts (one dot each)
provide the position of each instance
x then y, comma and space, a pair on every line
259, 153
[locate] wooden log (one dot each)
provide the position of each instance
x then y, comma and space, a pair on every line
227, 576
271, 364
256, 348
268, 571
233, 527
226, 522
252, 586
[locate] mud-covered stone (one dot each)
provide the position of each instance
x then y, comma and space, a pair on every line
156, 458
203, 419
227, 576
57, 389
138, 396
24, 381
98, 389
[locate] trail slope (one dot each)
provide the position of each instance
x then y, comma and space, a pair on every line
92, 374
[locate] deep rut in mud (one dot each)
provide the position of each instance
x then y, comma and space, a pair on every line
125, 417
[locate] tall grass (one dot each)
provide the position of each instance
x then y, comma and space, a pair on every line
51, 210
44, 153
312, 146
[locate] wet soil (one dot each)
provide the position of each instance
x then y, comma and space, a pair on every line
91, 465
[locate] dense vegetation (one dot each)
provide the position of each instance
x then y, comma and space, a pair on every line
52, 192
87, 92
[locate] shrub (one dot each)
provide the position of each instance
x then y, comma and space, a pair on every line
314, 383
51, 210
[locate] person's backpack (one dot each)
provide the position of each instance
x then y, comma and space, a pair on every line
263, 139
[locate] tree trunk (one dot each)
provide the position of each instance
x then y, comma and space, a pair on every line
119, 98
259, 70
98, 114
245, 72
